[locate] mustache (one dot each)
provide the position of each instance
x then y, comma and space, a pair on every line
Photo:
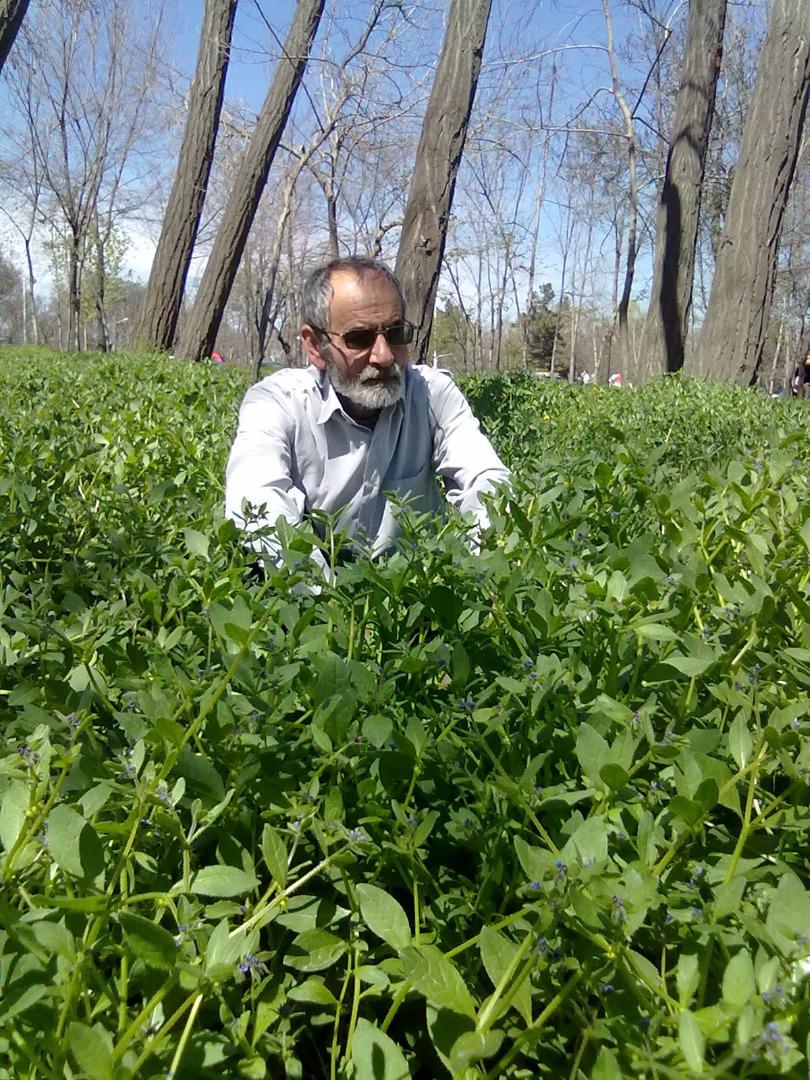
389, 375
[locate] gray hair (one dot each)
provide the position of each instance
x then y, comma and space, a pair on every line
318, 291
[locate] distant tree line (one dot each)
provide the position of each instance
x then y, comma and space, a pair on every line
477, 170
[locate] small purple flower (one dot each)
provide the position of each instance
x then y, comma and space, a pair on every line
252, 967
560, 867
357, 836
535, 886
467, 703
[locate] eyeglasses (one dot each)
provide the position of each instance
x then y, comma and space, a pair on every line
362, 339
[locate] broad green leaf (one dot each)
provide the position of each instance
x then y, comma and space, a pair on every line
74, 843
384, 916
689, 665
437, 979
690, 1037
274, 852
590, 840
617, 587
789, 912
376, 1056
739, 983
225, 948
536, 862
196, 542
656, 632
687, 976
12, 812
148, 941
497, 953
740, 742
474, 1046
313, 992
91, 1049
315, 950
223, 881
606, 1066
592, 751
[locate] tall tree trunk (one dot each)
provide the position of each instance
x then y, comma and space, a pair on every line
438, 157
733, 336
157, 324
667, 321
200, 333
12, 13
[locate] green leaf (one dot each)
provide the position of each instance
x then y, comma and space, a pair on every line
384, 916
592, 751
196, 542
739, 983
224, 950
740, 742
689, 665
313, 992
687, 977
497, 953
148, 941
617, 587
224, 881
691, 1040
275, 856
91, 1049
437, 979
606, 1066
789, 912
314, 950
376, 1056
74, 843
474, 1046
656, 632
12, 813
536, 862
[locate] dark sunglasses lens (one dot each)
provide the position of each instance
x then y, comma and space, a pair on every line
360, 339
402, 334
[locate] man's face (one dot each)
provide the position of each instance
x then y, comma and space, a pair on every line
369, 379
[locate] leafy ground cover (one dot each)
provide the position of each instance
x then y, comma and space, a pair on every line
539, 811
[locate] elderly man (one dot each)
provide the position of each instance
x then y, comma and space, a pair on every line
359, 423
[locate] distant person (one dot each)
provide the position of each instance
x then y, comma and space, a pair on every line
800, 386
586, 378
358, 423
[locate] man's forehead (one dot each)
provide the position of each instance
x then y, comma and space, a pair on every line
356, 293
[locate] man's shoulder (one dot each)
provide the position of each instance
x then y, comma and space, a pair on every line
434, 380
287, 382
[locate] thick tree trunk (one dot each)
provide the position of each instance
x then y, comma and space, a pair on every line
164, 293
12, 13
441, 145
200, 333
665, 328
735, 326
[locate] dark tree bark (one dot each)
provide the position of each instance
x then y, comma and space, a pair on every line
441, 145
734, 330
12, 13
164, 292
199, 336
664, 334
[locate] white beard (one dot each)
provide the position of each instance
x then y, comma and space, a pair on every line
372, 389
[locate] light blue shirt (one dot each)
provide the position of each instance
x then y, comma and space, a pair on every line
297, 450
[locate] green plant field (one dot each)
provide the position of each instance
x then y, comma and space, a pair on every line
539, 811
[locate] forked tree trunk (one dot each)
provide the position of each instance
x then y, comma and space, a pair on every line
12, 13
438, 157
667, 321
200, 333
163, 298
733, 336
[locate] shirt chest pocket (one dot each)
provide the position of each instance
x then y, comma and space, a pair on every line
419, 490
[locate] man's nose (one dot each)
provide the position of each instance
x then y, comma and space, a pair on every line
381, 353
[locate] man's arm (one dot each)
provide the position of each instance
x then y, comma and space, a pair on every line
259, 470
462, 454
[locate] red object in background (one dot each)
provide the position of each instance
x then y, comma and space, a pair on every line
218, 358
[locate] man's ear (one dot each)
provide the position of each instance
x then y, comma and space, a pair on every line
310, 340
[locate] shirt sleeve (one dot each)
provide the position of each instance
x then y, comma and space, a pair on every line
462, 455
259, 485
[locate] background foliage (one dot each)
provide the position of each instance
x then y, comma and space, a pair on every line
536, 811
